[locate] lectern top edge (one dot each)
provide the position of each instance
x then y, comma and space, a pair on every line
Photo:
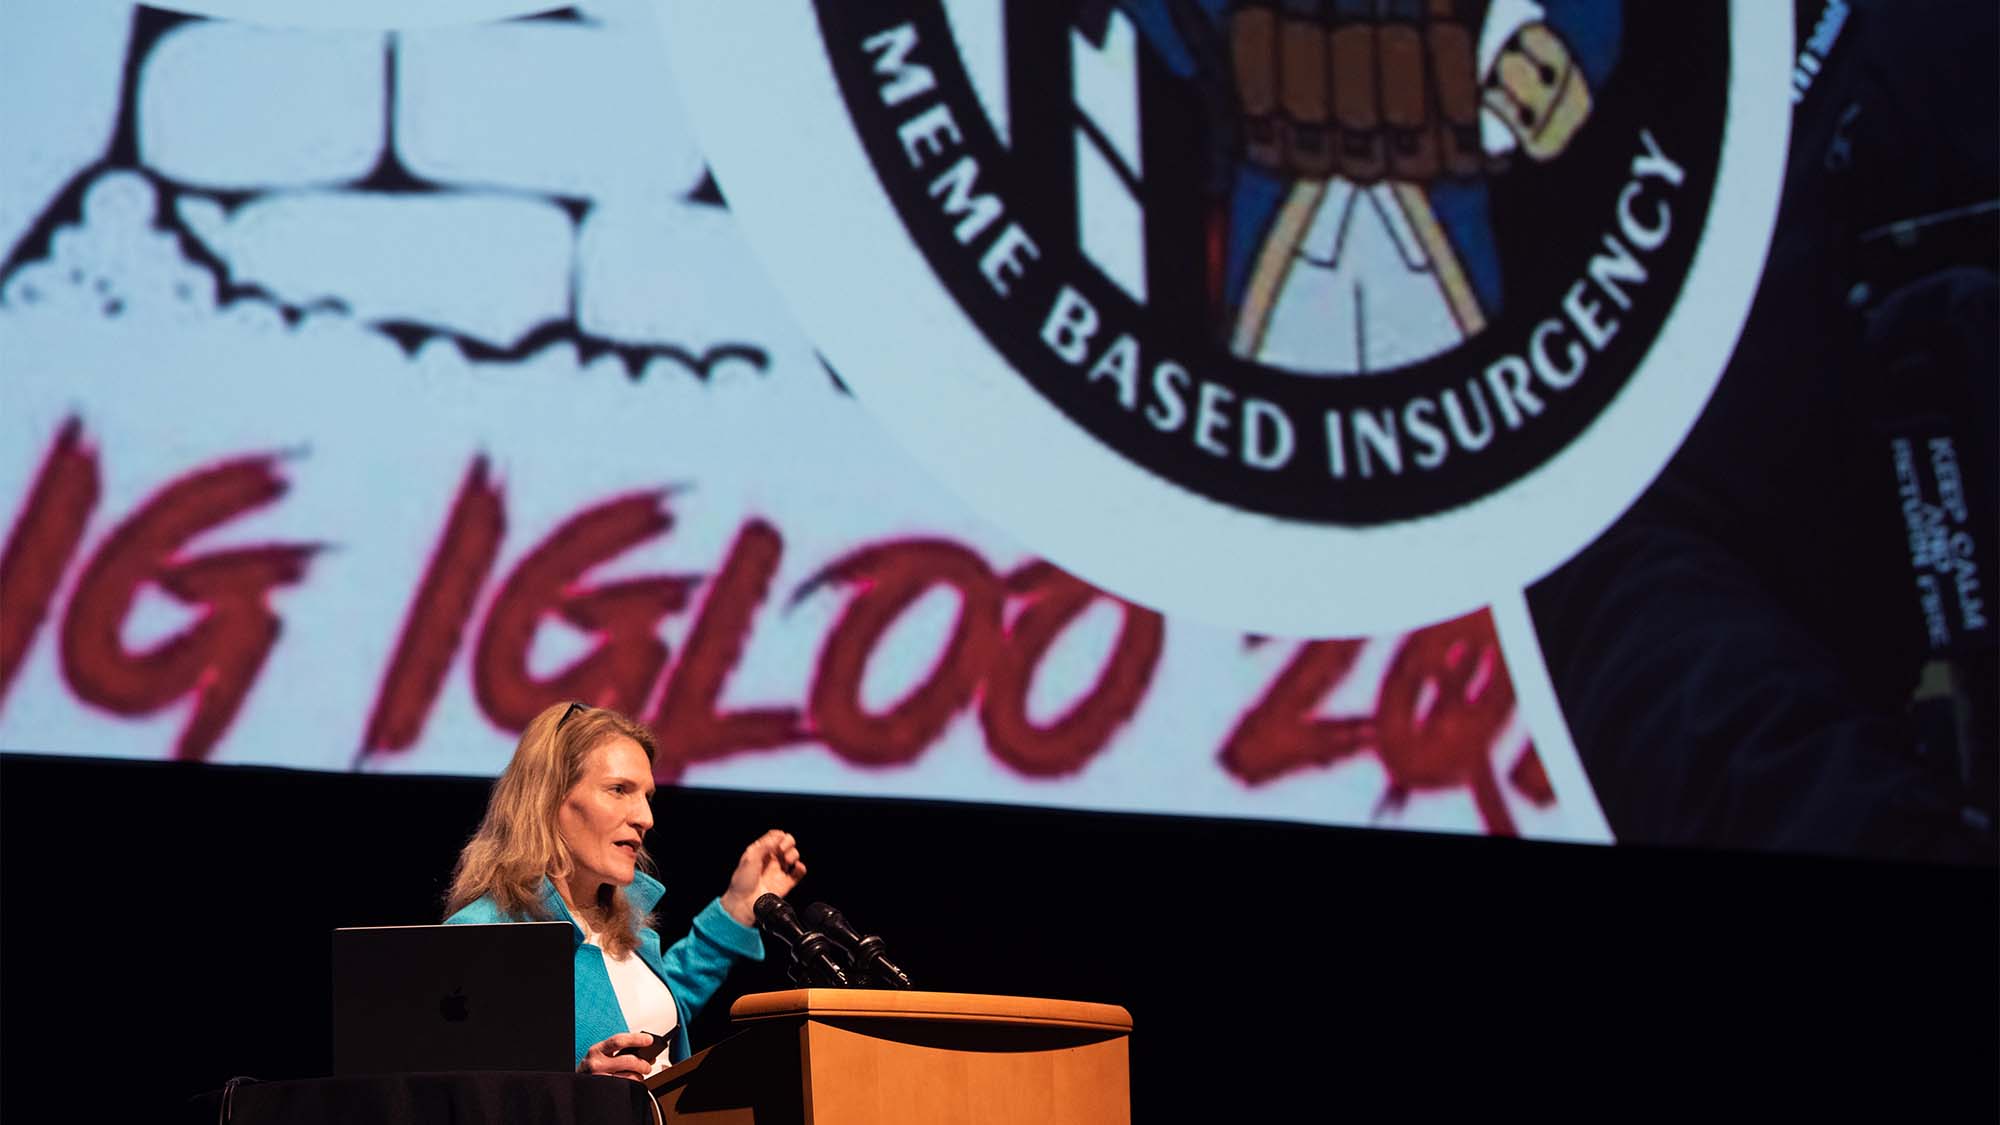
832, 1003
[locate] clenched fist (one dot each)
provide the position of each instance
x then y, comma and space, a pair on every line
1538, 91
770, 865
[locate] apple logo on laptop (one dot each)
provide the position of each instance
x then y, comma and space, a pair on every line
452, 1006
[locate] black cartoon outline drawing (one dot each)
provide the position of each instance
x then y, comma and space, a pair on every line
388, 177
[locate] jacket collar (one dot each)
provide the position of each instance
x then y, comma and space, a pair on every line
643, 894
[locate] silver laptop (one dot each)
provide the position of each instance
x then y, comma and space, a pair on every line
418, 998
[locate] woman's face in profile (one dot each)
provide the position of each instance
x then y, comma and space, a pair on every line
605, 816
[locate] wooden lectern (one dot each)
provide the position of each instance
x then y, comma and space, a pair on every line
841, 1056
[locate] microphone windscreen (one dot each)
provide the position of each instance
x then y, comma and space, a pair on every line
766, 905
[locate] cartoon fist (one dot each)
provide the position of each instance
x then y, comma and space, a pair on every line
1536, 88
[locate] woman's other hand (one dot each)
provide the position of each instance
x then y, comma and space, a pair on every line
603, 1058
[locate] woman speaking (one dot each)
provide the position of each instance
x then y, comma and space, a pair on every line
564, 840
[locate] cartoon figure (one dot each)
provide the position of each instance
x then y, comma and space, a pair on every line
1354, 230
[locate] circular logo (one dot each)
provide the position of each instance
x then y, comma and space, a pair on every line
1304, 318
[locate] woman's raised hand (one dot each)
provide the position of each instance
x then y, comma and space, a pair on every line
770, 865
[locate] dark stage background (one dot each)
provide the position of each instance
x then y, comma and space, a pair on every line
166, 927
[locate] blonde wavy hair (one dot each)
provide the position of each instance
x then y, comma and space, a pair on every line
518, 843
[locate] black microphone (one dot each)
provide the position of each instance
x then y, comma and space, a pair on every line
811, 951
868, 953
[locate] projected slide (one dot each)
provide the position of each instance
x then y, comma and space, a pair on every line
1129, 409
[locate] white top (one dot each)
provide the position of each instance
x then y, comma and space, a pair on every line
645, 999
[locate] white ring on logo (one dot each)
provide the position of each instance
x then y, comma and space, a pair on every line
366, 15
761, 92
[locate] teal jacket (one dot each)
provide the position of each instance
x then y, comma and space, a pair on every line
693, 967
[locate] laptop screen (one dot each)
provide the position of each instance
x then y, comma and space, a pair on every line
427, 998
